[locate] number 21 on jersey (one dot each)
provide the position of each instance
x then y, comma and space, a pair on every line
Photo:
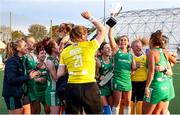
78, 60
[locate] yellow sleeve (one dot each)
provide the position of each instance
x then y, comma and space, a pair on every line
61, 62
94, 43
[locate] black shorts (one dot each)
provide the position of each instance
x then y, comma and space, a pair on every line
85, 97
138, 90
25, 100
13, 102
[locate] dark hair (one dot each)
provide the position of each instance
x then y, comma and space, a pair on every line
48, 45
157, 38
77, 32
11, 48
39, 47
102, 46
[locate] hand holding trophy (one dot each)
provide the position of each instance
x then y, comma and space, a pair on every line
115, 10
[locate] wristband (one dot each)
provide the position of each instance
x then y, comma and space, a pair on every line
91, 19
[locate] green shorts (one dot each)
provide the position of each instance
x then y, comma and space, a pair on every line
121, 84
171, 88
158, 94
51, 98
106, 90
32, 96
41, 99
31, 90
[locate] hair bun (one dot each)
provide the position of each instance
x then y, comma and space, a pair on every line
158, 34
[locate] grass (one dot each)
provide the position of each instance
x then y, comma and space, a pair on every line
3, 108
174, 104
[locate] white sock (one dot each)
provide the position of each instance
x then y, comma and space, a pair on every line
127, 110
167, 112
115, 110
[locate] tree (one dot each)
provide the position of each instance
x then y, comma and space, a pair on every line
37, 31
54, 31
17, 35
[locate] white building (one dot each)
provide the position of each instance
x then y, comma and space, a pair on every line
5, 33
142, 23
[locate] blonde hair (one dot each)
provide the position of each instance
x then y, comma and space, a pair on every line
145, 41
77, 32
135, 41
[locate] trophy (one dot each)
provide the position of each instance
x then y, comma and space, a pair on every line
115, 10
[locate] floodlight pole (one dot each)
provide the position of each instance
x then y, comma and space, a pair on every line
10, 26
51, 28
104, 12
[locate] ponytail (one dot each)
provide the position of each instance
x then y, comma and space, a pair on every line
11, 49
157, 38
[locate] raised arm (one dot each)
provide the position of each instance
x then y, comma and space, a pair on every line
99, 26
113, 44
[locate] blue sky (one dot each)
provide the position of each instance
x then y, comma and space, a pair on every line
27, 12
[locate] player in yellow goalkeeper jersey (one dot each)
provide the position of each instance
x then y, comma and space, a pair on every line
78, 60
